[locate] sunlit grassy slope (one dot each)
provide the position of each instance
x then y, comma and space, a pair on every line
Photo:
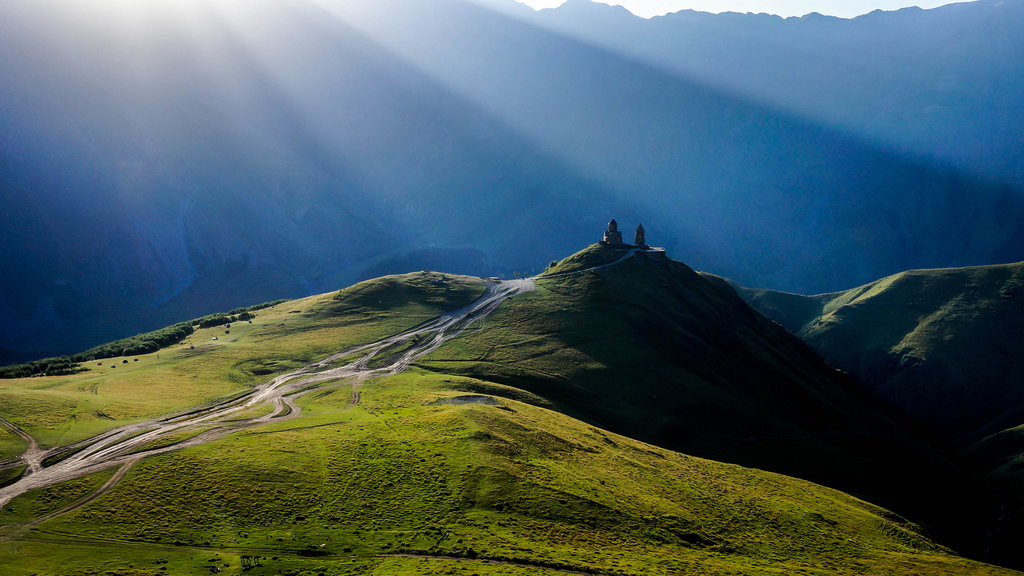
651, 349
433, 472
406, 483
225, 361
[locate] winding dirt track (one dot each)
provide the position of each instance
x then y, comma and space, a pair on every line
125, 445
122, 447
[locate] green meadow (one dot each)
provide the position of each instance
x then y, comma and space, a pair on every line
429, 472
59, 410
406, 483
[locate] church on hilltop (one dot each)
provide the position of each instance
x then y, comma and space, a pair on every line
613, 237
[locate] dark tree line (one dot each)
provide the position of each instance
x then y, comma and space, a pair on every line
146, 343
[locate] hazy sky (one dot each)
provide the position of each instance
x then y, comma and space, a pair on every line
844, 8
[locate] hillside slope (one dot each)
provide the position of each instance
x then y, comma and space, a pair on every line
219, 361
651, 349
421, 479
430, 472
945, 346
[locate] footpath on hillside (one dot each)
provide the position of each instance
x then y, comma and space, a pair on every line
122, 447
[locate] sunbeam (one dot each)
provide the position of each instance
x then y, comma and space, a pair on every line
221, 141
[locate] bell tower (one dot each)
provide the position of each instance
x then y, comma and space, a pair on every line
641, 237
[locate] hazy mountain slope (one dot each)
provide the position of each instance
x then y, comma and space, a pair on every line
944, 82
429, 473
213, 152
729, 182
168, 159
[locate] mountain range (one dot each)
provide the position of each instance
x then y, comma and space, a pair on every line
176, 159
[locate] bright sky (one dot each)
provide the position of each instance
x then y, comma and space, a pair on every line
844, 8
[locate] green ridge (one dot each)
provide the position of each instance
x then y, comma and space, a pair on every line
945, 348
928, 341
60, 410
408, 481
653, 350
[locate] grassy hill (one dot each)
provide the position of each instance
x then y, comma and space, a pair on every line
60, 410
946, 348
653, 350
435, 471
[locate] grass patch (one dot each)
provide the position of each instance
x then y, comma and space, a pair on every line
44, 501
11, 445
11, 474
168, 440
590, 257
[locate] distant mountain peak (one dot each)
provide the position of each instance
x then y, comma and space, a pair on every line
591, 8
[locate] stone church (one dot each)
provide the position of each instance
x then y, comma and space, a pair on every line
613, 237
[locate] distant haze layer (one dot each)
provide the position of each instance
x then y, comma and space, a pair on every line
847, 9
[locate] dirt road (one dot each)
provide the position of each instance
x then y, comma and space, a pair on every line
127, 444
33, 455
